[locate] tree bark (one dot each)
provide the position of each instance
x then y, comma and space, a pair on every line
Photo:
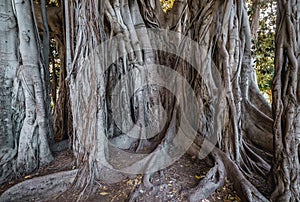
255, 14
129, 92
62, 115
25, 119
223, 83
286, 101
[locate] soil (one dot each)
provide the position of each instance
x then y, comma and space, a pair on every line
169, 184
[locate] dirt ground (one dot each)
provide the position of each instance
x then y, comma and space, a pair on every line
168, 184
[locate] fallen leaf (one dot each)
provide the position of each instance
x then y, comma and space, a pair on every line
199, 177
104, 193
27, 177
129, 182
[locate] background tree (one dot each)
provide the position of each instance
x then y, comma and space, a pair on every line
25, 127
62, 117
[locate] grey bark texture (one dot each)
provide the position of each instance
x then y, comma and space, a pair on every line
255, 18
234, 124
286, 99
230, 102
25, 127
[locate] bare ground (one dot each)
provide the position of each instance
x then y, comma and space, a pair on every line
168, 184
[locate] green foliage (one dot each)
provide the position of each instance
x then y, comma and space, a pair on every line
264, 53
166, 4
264, 46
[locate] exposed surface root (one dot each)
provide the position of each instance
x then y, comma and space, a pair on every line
49, 186
146, 184
185, 173
244, 188
214, 179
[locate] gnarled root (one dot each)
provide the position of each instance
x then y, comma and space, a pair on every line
214, 179
40, 188
223, 165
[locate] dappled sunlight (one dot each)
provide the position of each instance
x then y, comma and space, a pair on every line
167, 4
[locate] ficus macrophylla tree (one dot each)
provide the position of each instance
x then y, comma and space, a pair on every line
146, 86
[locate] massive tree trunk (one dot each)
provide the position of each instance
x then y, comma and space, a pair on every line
236, 114
286, 99
24, 118
212, 56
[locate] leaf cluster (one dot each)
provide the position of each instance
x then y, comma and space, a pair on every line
263, 49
